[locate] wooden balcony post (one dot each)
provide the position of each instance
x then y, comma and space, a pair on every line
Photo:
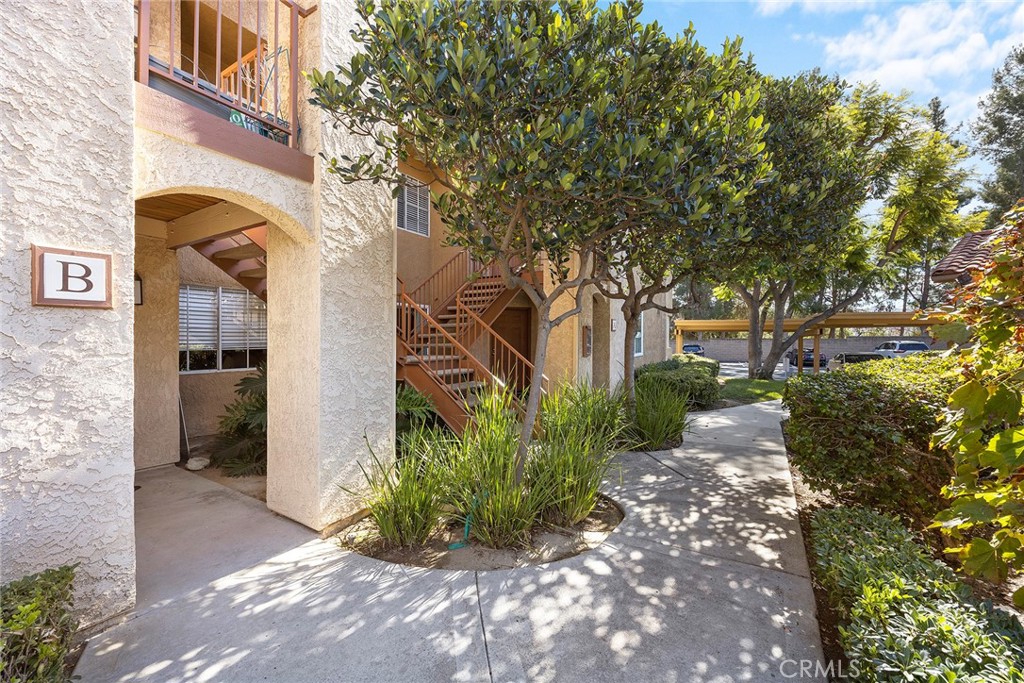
293, 68
143, 42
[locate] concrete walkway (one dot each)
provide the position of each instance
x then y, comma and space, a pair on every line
705, 580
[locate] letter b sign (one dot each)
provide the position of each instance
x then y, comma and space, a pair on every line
64, 277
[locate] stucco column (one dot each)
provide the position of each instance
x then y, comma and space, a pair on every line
66, 486
331, 321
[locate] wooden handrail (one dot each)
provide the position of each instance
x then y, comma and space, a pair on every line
256, 95
465, 316
408, 334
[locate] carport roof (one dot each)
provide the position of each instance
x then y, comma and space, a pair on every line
849, 319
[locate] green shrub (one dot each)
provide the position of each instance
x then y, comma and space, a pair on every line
581, 426
905, 616
661, 414
694, 384
36, 626
241, 445
681, 360
406, 495
412, 407
863, 434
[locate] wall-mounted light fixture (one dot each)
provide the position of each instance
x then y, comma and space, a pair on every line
138, 290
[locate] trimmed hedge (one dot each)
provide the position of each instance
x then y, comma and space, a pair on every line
905, 616
681, 361
863, 433
693, 384
36, 626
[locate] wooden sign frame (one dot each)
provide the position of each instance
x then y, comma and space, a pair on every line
38, 295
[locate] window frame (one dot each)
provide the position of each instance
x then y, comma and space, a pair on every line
411, 182
250, 300
639, 336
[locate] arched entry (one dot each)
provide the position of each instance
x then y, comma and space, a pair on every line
201, 321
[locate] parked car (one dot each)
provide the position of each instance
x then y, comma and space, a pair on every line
807, 360
897, 349
841, 359
695, 349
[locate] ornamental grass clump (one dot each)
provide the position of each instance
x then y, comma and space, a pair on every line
905, 616
472, 479
581, 426
501, 508
662, 414
405, 496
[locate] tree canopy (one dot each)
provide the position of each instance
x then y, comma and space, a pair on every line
552, 128
999, 132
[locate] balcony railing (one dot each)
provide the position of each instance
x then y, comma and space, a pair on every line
237, 58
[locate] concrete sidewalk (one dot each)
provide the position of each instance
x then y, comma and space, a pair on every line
705, 580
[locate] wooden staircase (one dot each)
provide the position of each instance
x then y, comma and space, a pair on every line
447, 348
242, 255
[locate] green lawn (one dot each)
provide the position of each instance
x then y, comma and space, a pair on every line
752, 390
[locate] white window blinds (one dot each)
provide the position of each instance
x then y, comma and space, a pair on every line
414, 207
197, 318
218, 320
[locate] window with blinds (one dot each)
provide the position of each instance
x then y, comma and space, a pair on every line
220, 329
413, 210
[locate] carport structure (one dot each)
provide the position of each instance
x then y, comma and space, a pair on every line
845, 320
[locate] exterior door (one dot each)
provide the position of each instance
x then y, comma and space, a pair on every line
513, 325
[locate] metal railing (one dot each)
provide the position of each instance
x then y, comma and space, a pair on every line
203, 46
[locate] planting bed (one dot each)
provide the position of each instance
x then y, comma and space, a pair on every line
547, 544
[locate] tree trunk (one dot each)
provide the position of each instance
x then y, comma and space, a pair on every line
752, 301
536, 390
766, 369
926, 285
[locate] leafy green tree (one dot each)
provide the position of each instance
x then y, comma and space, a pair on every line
999, 133
645, 261
832, 153
538, 122
984, 419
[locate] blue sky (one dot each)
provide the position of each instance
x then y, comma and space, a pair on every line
948, 49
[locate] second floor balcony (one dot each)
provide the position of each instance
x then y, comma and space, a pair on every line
236, 59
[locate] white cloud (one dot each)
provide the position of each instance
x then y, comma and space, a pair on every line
934, 48
775, 7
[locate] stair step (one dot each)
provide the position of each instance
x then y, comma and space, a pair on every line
256, 273
243, 251
434, 359
464, 387
454, 372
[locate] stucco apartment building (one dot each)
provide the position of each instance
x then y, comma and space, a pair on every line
167, 225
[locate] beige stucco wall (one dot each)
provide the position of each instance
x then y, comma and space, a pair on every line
656, 333
165, 165
203, 398
331, 319
156, 354
66, 491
